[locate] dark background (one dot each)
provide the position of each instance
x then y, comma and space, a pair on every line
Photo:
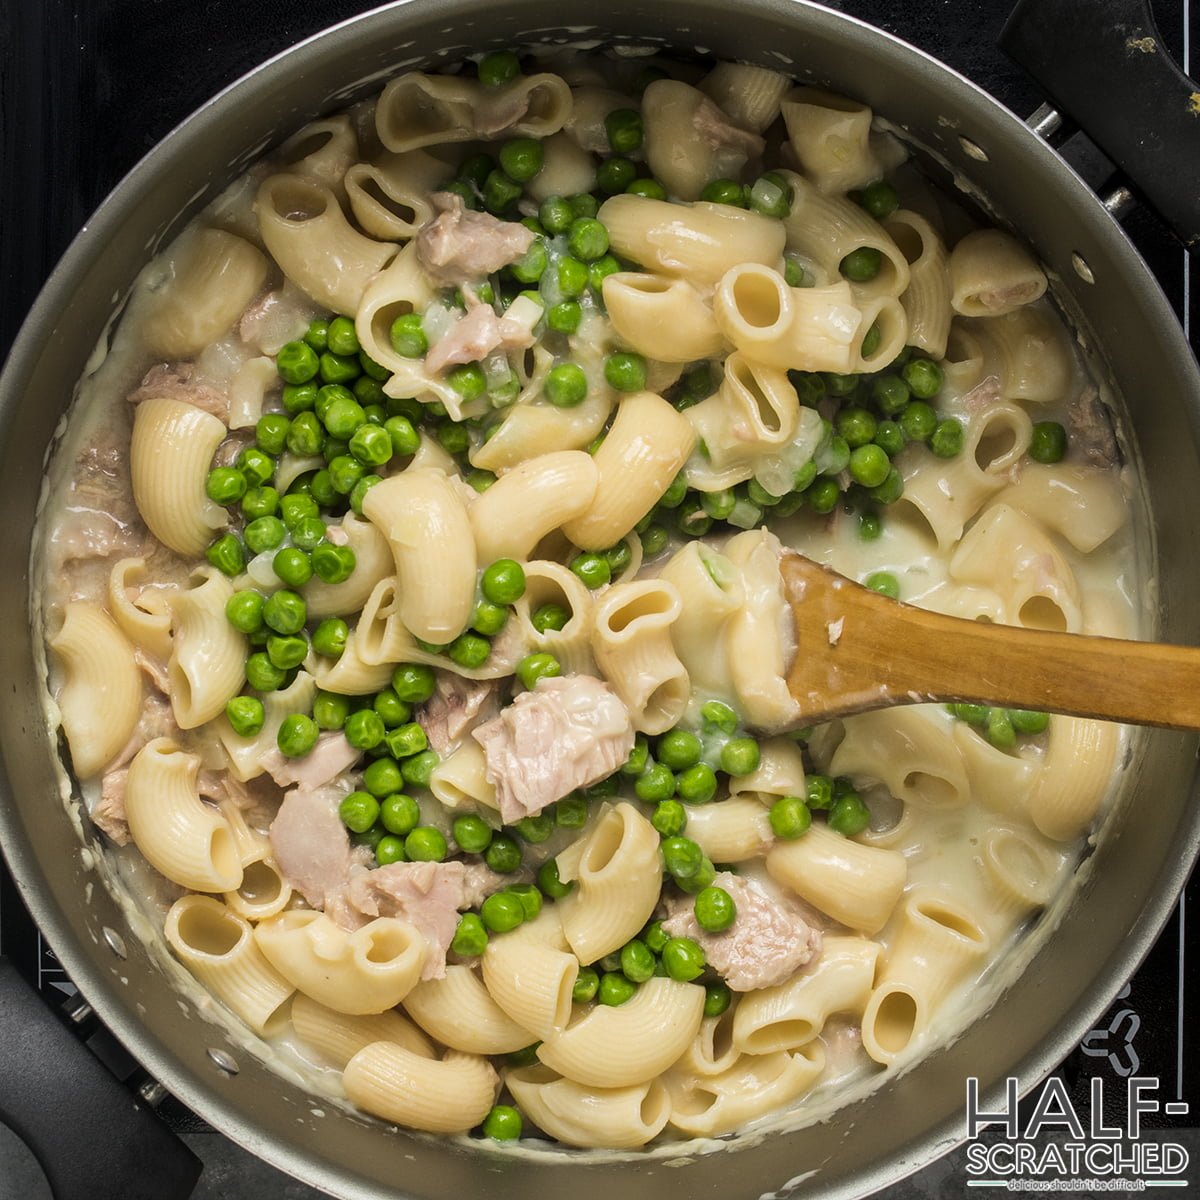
88, 86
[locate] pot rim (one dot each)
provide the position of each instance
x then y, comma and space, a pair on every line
53, 300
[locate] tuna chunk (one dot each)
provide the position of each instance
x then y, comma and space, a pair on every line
458, 245
1090, 432
426, 894
480, 881
175, 381
767, 943
324, 763
737, 144
565, 734
455, 708
310, 843
475, 336
109, 813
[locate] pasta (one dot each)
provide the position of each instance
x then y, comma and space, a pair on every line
415, 609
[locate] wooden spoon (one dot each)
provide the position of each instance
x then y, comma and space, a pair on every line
858, 650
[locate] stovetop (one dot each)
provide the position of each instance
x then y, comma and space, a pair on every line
88, 86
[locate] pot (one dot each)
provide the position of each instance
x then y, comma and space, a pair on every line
1124, 891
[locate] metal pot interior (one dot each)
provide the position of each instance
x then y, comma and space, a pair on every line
1125, 889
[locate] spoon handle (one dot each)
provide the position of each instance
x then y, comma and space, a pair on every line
859, 651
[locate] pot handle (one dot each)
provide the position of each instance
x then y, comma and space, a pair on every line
1102, 63
84, 1127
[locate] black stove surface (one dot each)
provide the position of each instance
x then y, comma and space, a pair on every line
88, 86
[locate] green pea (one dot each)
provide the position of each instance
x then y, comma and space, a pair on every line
260, 502
418, 769
724, 191
333, 564
425, 844
358, 811
869, 465
537, 666
285, 612
370, 394
549, 882
615, 989
999, 729
407, 740
669, 818
400, 814
245, 714
691, 520
470, 938
322, 489
739, 756
861, 265
879, 199
572, 277
382, 777
871, 340
818, 792
408, 337
654, 540
262, 674
757, 494
299, 398
918, 421
364, 729
469, 650
471, 833
676, 491
835, 456
625, 372
308, 533
625, 130
496, 68
870, 528
317, 334
256, 466
810, 387
287, 652
637, 962
600, 270
521, 158
794, 274
330, 710
592, 569
566, 385
790, 818
503, 855
683, 959
329, 637
297, 735
371, 445
651, 189
225, 485
856, 425
535, 830
465, 191
657, 783
297, 507
947, 438
697, 785
889, 437
341, 338
715, 910
413, 682
883, 582
1024, 721
503, 582
571, 812
717, 998
344, 473
500, 192
1048, 443
679, 749
244, 611
502, 912
338, 369
587, 239
924, 377
531, 266
682, 857
297, 362
389, 850
564, 317
482, 480
849, 816
529, 896
489, 619
227, 555
555, 214
771, 195
890, 490
973, 714
292, 566
550, 617
614, 175
890, 393
587, 984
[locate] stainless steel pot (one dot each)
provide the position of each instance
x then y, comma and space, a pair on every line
1138, 865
